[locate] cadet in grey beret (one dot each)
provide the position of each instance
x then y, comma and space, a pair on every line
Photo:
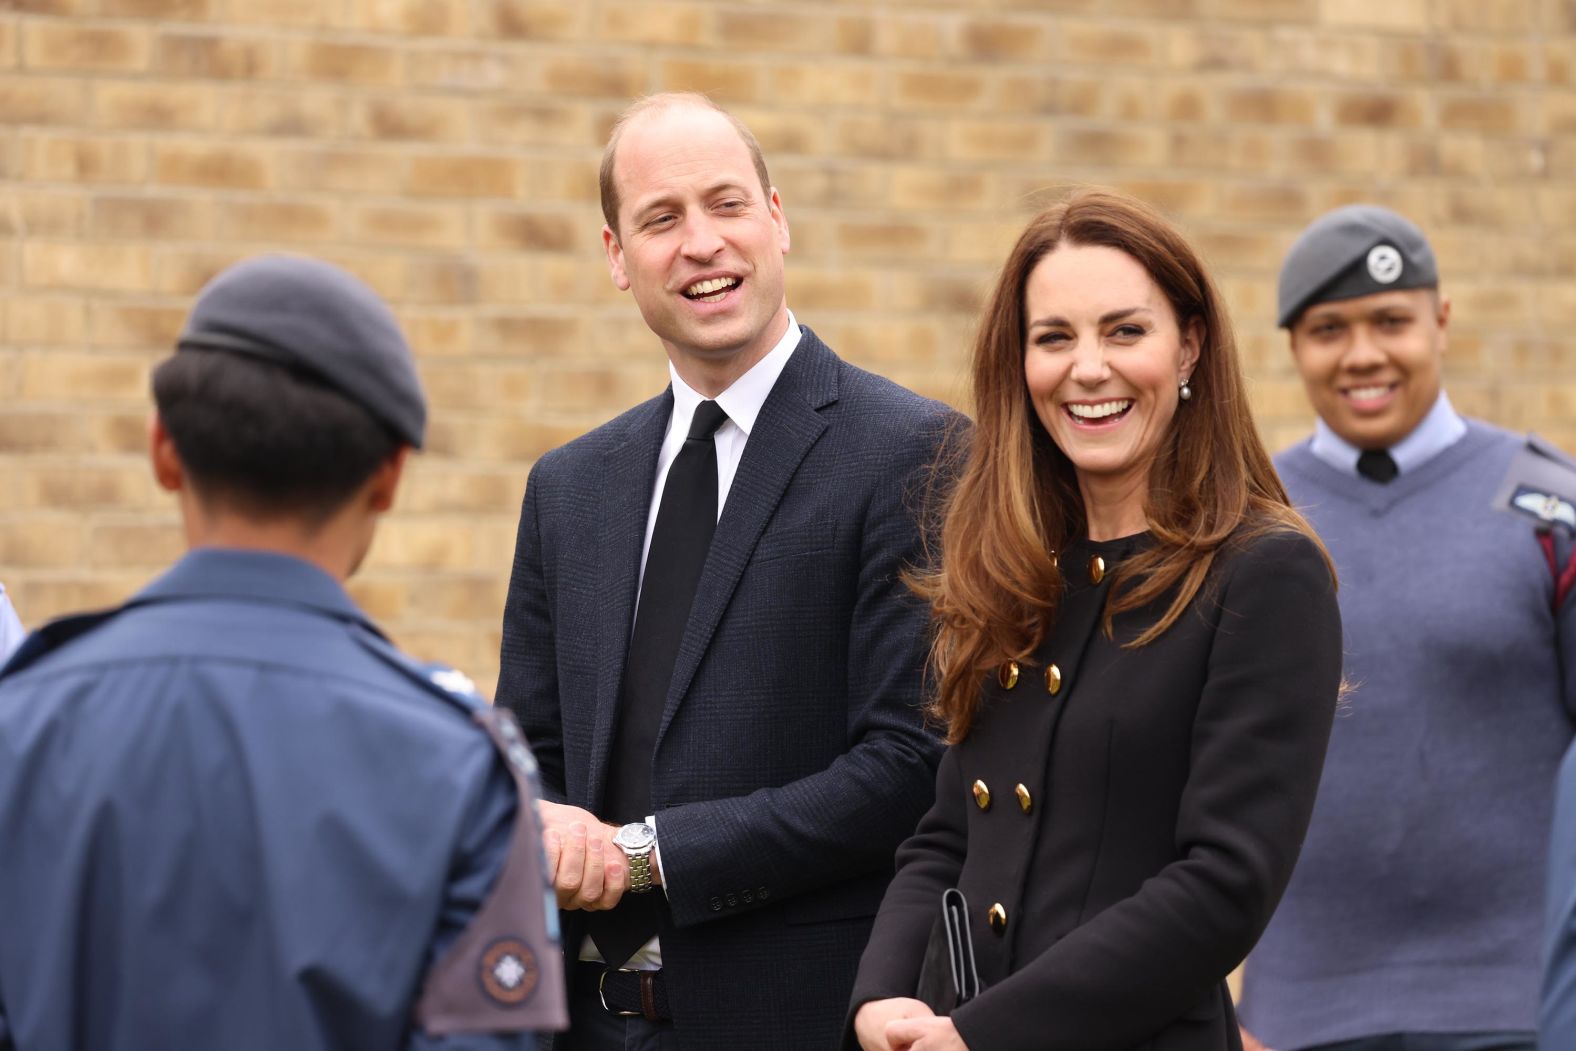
310, 315
1353, 251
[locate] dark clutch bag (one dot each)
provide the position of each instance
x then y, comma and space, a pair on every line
948, 978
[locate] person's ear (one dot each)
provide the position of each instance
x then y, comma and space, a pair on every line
384, 483
167, 468
615, 259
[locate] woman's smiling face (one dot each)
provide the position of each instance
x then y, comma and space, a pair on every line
1104, 356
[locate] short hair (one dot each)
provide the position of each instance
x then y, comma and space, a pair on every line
266, 439
667, 100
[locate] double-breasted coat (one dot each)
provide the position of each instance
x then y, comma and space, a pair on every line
1122, 821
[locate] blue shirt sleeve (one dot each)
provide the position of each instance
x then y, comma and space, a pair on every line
484, 847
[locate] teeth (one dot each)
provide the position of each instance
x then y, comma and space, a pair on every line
1102, 410
704, 289
1367, 393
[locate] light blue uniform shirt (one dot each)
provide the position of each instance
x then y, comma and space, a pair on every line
1440, 429
11, 631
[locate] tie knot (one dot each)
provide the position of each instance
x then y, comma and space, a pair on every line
708, 417
1377, 465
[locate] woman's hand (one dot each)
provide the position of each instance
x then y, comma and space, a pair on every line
871, 1020
924, 1034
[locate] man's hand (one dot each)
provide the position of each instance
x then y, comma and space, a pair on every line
872, 1020
588, 870
924, 1034
1251, 1042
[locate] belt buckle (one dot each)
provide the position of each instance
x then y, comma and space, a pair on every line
601, 992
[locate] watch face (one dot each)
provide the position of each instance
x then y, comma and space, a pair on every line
636, 836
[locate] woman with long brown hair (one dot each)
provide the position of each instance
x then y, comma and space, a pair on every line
1137, 659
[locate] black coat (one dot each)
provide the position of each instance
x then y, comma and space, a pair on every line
792, 757
1164, 795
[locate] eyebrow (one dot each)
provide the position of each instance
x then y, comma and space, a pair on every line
1105, 319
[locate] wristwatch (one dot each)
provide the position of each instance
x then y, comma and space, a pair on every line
636, 840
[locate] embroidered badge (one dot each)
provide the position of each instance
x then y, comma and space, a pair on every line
1384, 264
509, 972
1544, 506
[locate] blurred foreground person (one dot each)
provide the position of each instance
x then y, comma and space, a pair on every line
1414, 919
1138, 656
233, 814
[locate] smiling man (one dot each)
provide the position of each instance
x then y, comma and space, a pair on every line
1414, 917
707, 636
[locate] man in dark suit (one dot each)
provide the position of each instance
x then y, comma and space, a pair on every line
707, 636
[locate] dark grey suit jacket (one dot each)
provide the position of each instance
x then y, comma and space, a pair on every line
792, 757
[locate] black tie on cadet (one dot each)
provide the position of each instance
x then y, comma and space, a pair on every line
1377, 465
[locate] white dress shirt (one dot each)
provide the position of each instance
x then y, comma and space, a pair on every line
742, 402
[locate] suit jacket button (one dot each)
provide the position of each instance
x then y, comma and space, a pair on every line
1053, 679
760, 892
982, 795
998, 917
1007, 675
1025, 800
748, 896
733, 901
716, 904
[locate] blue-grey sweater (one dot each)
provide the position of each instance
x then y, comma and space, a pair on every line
1417, 903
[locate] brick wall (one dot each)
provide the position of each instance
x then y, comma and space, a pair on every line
446, 151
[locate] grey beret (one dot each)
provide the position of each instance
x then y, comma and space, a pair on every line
1353, 251
310, 315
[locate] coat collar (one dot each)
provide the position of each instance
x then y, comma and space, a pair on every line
253, 576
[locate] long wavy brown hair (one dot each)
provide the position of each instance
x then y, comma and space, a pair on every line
995, 589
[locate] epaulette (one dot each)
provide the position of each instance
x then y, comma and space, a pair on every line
54, 635
440, 680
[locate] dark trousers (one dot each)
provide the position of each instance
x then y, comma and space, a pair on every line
593, 1028
1437, 1042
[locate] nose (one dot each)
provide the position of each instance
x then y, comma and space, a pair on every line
702, 241
1089, 368
1363, 352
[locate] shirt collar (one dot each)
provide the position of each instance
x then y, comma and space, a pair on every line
742, 401
1438, 431
258, 576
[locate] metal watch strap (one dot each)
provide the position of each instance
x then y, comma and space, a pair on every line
639, 871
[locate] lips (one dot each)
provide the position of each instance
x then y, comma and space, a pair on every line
1099, 413
1370, 395
711, 289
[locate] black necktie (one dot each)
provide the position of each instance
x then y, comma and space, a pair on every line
686, 519
1377, 465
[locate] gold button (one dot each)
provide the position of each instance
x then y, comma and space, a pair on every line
998, 917
1025, 800
1007, 675
1096, 569
982, 795
1056, 563
1053, 680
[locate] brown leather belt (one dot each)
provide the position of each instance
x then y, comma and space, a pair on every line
630, 993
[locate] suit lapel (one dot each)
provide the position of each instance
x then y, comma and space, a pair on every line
789, 424
628, 475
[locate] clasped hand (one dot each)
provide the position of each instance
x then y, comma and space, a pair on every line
589, 871
903, 1024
